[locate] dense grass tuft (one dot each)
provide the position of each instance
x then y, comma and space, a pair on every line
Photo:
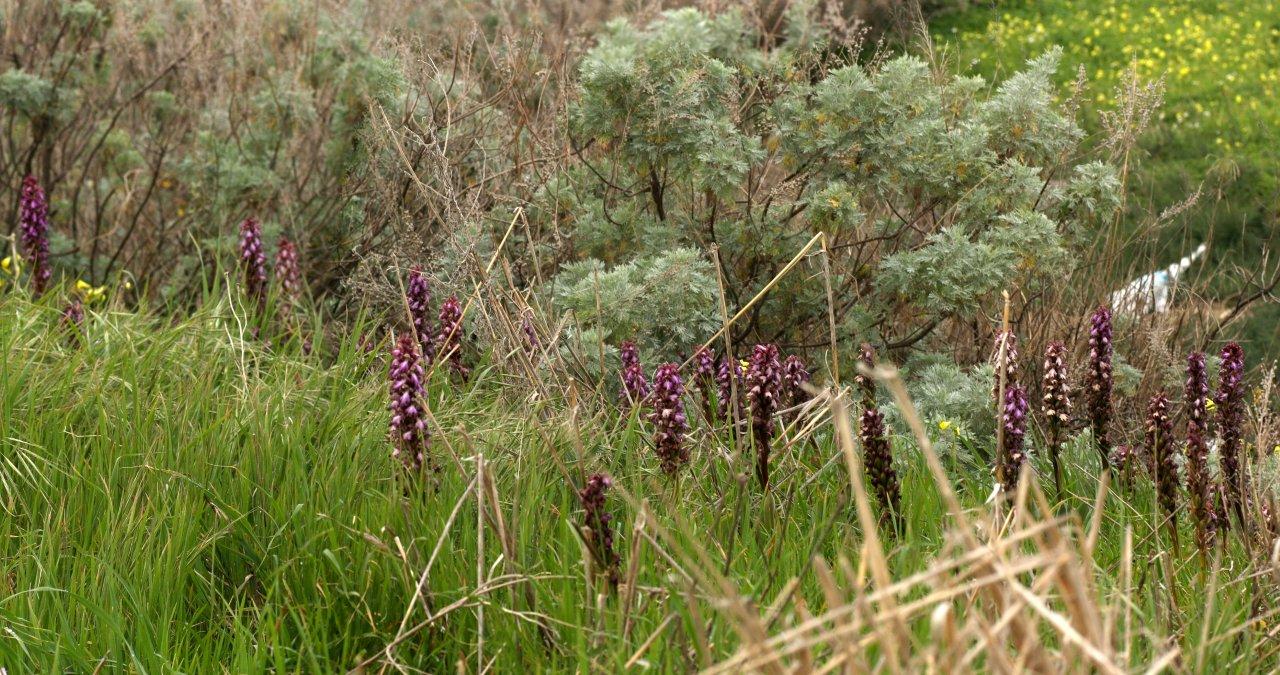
179, 497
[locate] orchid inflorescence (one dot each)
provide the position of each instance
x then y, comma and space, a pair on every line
33, 219
253, 262
704, 376
794, 378
729, 381
1056, 404
668, 418
449, 341
635, 386
288, 274
1230, 406
1159, 446
597, 526
408, 415
531, 343
418, 298
1013, 418
1099, 381
1199, 488
764, 384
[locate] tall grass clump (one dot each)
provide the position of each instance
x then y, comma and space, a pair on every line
222, 467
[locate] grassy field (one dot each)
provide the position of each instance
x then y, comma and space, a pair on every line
1218, 68
232, 226
177, 497
1212, 140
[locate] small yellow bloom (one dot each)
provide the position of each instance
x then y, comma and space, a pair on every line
944, 425
1210, 405
89, 292
12, 265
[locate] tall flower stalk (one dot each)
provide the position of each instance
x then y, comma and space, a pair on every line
1056, 404
72, 322
253, 262
794, 377
33, 220
1099, 382
598, 527
1011, 409
635, 386
867, 385
408, 430
1004, 358
875, 440
1159, 442
1230, 403
1124, 461
1013, 452
764, 381
729, 379
879, 460
668, 418
288, 273
449, 341
704, 376
1199, 491
417, 295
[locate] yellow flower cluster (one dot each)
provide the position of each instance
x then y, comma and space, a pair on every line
12, 265
89, 293
1219, 59
11, 269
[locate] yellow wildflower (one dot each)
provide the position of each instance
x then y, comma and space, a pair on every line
90, 293
944, 424
12, 265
